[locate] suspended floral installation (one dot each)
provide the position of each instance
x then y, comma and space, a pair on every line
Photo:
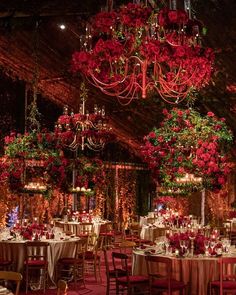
37, 155
189, 151
42, 155
136, 50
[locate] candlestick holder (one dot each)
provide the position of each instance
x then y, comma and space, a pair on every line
192, 238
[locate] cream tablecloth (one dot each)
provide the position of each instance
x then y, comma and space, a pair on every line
195, 271
56, 250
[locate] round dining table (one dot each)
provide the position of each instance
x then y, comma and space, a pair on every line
196, 271
64, 247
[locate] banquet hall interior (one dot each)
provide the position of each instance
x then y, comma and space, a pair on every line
117, 147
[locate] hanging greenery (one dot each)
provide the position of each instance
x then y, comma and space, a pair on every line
188, 142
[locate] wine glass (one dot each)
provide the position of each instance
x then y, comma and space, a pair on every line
186, 245
212, 245
227, 245
167, 245
182, 245
206, 245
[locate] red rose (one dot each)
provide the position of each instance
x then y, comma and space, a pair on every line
173, 16
221, 180
152, 135
180, 51
210, 114
160, 138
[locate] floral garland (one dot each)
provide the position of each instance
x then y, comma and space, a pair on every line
117, 35
187, 142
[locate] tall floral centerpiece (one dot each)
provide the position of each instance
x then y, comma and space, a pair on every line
188, 143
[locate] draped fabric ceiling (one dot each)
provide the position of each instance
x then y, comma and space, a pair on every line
21, 45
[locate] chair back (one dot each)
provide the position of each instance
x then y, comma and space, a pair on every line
151, 220
227, 272
12, 276
105, 252
120, 264
91, 241
86, 228
106, 228
154, 263
98, 244
135, 228
36, 250
80, 248
62, 287
5, 252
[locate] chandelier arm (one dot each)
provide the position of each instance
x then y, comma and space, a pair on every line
103, 89
120, 98
186, 81
165, 97
94, 146
74, 143
171, 92
113, 84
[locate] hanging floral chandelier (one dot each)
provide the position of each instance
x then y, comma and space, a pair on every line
84, 129
189, 151
136, 50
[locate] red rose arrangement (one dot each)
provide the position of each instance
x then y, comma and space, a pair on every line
163, 41
188, 142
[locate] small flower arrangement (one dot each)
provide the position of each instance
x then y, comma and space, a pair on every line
27, 232
189, 143
198, 243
